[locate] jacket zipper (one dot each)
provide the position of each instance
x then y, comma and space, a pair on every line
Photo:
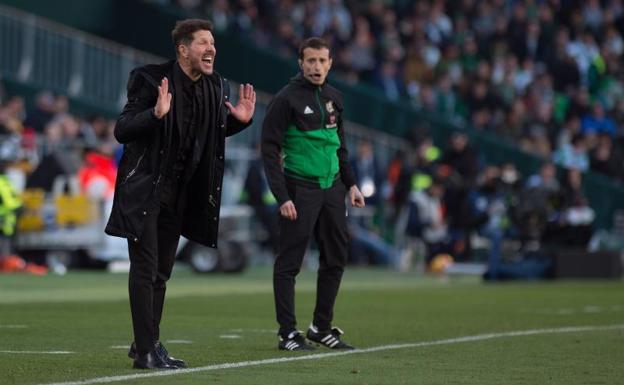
318, 100
133, 171
211, 198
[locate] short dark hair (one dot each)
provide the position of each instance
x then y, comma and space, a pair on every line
313, 42
184, 30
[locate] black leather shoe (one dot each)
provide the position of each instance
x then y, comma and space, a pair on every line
162, 352
151, 360
160, 348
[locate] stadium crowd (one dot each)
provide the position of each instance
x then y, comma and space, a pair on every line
39, 142
434, 198
544, 74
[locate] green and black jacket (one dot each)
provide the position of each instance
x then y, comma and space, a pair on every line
303, 124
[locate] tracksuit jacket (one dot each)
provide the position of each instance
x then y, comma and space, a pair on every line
304, 123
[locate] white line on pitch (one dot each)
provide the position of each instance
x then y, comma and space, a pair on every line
274, 331
243, 364
13, 326
35, 352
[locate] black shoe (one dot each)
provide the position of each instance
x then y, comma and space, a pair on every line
162, 352
170, 360
294, 342
151, 360
330, 339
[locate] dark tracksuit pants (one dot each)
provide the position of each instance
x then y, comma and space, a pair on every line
151, 262
321, 212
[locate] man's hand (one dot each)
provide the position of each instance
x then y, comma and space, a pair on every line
244, 109
163, 103
356, 197
288, 210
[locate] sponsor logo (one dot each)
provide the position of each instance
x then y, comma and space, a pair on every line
307, 111
329, 106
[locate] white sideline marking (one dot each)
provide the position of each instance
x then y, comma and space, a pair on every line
35, 352
274, 331
13, 326
269, 361
119, 347
589, 309
230, 336
179, 342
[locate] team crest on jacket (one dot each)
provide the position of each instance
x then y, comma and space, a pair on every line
329, 106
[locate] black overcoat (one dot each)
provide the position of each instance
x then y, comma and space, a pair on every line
148, 149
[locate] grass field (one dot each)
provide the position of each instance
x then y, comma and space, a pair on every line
410, 329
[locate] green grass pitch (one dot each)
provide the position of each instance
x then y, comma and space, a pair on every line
218, 319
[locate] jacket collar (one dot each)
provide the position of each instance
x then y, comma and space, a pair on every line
301, 81
155, 72
186, 82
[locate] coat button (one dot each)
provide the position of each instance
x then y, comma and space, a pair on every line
218, 188
162, 152
144, 212
136, 239
220, 157
213, 245
222, 125
214, 219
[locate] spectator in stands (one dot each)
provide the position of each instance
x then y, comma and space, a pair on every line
220, 14
388, 80
597, 122
461, 157
43, 112
573, 227
258, 195
573, 155
367, 247
545, 180
97, 174
367, 172
427, 220
11, 116
490, 204
606, 159
537, 202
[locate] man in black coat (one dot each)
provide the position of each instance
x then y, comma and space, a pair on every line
173, 128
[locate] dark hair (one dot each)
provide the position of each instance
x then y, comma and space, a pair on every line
313, 42
184, 30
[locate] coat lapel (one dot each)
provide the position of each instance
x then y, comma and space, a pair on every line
177, 100
207, 124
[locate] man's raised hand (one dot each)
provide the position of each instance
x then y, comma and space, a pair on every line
163, 103
244, 109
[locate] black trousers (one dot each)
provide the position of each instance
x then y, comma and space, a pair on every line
322, 213
151, 262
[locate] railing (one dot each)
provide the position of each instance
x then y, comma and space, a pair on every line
40, 52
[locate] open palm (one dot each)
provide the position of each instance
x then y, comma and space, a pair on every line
246, 105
